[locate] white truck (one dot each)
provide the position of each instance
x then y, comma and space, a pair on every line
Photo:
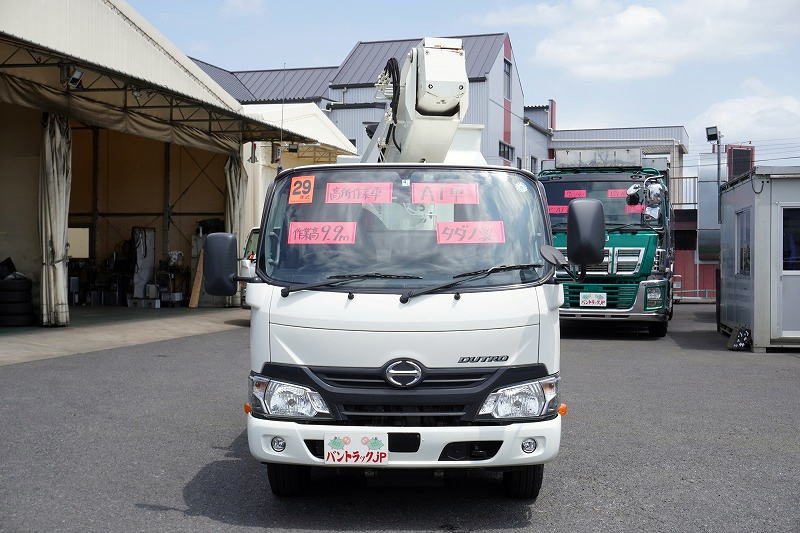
405, 311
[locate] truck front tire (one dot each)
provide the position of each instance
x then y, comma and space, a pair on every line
523, 482
288, 480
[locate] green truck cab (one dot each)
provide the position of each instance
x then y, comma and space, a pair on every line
634, 281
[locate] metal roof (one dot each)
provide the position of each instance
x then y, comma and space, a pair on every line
651, 137
227, 80
368, 59
126, 65
305, 84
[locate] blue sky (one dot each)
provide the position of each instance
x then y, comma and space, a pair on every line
731, 63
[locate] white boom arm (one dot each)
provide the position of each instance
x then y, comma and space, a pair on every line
429, 99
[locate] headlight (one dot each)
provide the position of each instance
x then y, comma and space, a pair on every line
276, 398
527, 400
654, 296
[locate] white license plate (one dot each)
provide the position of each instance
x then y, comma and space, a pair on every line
593, 299
365, 448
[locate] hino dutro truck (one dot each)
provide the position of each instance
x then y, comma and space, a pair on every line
633, 283
404, 307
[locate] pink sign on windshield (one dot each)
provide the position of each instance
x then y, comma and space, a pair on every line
634, 209
322, 233
358, 193
575, 193
444, 193
557, 209
470, 232
617, 193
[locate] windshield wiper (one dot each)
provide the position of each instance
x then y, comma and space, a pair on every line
342, 278
465, 277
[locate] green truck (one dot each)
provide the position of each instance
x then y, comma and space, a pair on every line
634, 282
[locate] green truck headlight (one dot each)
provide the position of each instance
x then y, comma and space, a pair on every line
655, 297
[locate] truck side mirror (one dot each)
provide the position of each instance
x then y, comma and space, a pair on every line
586, 232
554, 256
220, 264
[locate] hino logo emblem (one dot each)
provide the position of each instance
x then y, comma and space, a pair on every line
403, 373
484, 359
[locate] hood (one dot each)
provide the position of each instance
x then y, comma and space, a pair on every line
384, 312
319, 328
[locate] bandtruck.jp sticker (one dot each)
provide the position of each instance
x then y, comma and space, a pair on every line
301, 190
322, 233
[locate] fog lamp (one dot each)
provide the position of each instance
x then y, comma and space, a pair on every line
278, 444
529, 445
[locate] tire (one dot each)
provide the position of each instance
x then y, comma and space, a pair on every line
14, 297
17, 320
523, 482
659, 329
288, 480
15, 285
22, 308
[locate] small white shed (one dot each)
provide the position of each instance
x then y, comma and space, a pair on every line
760, 256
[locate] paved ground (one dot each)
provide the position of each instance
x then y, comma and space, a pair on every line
673, 434
99, 328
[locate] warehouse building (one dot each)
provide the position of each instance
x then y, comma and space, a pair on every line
117, 152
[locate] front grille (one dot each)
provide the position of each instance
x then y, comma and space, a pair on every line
372, 378
617, 296
600, 269
628, 260
402, 415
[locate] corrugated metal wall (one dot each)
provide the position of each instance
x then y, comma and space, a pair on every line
351, 123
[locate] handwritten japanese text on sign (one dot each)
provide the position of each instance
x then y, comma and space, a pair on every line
322, 233
575, 193
470, 232
301, 190
557, 209
358, 193
617, 193
444, 193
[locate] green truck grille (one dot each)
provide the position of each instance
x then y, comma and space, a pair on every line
617, 296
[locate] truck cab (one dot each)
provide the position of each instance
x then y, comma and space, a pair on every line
633, 283
404, 316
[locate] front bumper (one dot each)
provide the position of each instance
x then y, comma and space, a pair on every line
432, 441
636, 312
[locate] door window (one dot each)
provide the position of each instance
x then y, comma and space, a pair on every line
743, 242
791, 238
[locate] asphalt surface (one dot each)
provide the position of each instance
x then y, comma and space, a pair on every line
671, 434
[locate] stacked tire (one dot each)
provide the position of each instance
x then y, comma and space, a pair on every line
16, 303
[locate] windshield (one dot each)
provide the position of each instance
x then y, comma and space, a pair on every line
611, 192
433, 223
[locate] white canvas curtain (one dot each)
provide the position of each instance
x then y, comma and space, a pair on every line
55, 178
236, 180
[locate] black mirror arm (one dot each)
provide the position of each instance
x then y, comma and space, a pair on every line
582, 275
247, 279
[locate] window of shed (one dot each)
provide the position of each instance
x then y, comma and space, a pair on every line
507, 80
743, 226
